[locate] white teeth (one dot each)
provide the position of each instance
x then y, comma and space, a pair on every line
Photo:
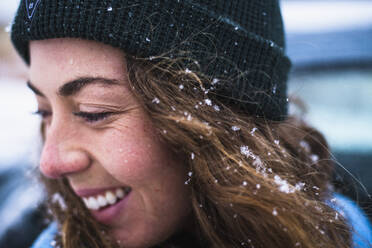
120, 193
102, 201
92, 203
108, 198
85, 200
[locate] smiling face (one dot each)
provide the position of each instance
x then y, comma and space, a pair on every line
98, 136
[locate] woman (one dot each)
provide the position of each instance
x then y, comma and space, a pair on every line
165, 125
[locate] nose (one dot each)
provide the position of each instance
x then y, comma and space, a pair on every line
62, 153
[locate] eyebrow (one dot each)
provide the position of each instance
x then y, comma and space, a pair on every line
34, 89
73, 87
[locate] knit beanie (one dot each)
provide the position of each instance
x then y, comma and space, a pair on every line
238, 44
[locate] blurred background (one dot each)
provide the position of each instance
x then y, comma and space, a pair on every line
330, 45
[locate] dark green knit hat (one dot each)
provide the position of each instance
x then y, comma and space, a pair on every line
241, 40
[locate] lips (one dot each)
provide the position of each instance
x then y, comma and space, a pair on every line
105, 204
99, 199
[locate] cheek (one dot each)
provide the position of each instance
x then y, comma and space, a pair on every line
160, 202
136, 156
124, 155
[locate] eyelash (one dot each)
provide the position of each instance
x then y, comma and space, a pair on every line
93, 117
88, 117
42, 113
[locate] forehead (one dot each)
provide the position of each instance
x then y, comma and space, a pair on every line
65, 59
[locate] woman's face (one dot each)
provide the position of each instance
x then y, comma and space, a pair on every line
99, 138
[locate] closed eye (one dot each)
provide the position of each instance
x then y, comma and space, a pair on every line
43, 113
93, 117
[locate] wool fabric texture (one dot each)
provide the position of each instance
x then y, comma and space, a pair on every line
238, 43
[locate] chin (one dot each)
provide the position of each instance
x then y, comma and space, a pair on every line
136, 239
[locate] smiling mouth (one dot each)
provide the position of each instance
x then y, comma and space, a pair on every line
105, 199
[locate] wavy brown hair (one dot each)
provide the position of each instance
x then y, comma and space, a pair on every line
254, 182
